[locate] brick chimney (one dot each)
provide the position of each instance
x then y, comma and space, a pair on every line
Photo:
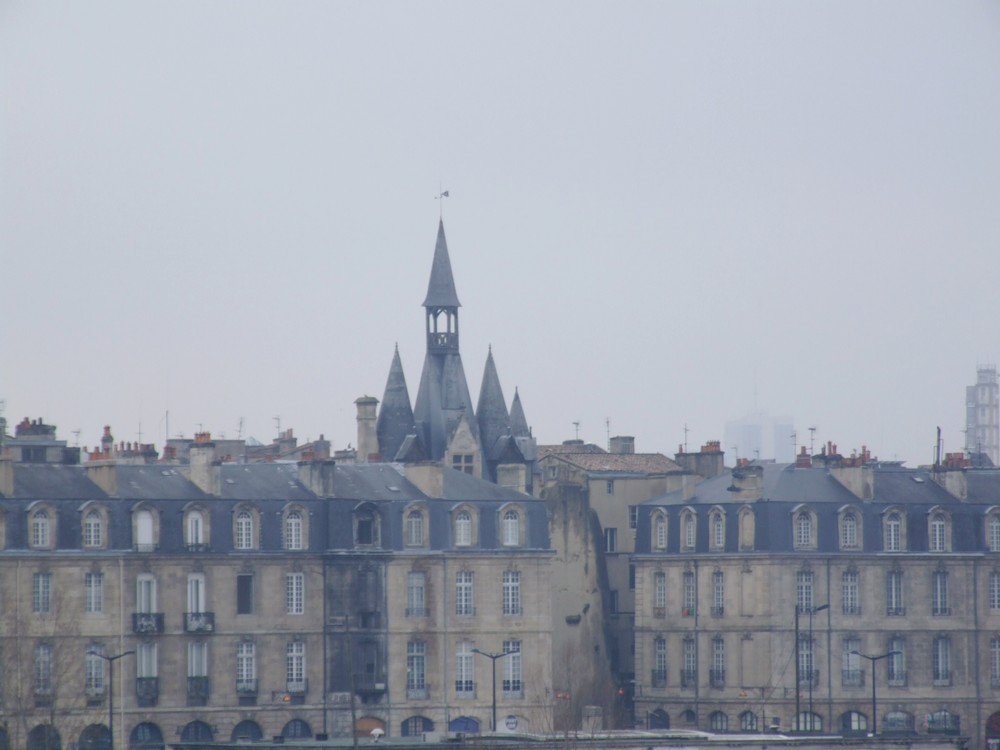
706, 463
367, 436
748, 481
206, 471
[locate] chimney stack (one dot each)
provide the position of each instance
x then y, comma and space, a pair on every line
206, 471
367, 435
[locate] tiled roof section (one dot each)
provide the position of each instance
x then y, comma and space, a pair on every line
441, 287
569, 447
518, 423
272, 481
461, 486
780, 483
623, 463
155, 482
376, 482
907, 486
395, 416
491, 412
54, 482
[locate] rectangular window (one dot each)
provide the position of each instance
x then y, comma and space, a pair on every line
93, 585
145, 594
244, 594
198, 659
995, 662
690, 595
659, 662
631, 576
145, 660
718, 594
196, 593
611, 540
611, 486
465, 680
43, 669
512, 687
896, 662
93, 671
246, 667
295, 667
659, 594
511, 592
939, 594
995, 591
851, 675
613, 601
807, 661
465, 602
633, 516
295, 585
894, 594
804, 590
416, 604
41, 593
416, 669
718, 675
941, 661
689, 674
849, 593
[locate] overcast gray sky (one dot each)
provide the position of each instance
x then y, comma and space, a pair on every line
661, 213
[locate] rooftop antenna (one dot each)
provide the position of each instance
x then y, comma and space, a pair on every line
686, 437
239, 430
576, 428
607, 427
138, 436
795, 443
277, 424
812, 436
442, 194
76, 437
736, 452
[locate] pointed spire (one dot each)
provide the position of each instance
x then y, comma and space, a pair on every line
518, 424
491, 412
395, 418
441, 287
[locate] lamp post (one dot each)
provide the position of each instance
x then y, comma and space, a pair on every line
493, 659
874, 659
111, 691
812, 666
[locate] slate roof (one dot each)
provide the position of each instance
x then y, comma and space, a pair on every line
441, 286
518, 423
441, 401
621, 463
491, 412
266, 481
54, 482
155, 482
395, 416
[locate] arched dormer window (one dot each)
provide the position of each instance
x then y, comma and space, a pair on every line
195, 529
937, 532
463, 529
366, 526
894, 532
718, 522
993, 530
244, 530
689, 529
145, 529
93, 529
414, 531
510, 528
849, 536
660, 530
805, 529
294, 530
41, 528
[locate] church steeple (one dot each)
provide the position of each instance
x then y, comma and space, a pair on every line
441, 302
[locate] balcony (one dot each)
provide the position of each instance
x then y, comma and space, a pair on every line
246, 687
147, 623
417, 693
416, 612
465, 688
147, 691
940, 611
197, 691
199, 622
809, 677
687, 612
944, 722
897, 722
718, 611
43, 696
513, 689
717, 678
689, 678
852, 609
197, 547
658, 678
94, 695
895, 611
659, 612
852, 677
369, 686
297, 687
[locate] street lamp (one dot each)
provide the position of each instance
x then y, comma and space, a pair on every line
874, 659
111, 691
812, 670
493, 658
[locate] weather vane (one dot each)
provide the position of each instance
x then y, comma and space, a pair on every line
440, 197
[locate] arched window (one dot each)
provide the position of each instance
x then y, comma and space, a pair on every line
92, 530
718, 722
414, 529
511, 529
41, 529
893, 532
145, 538
718, 531
293, 531
296, 729
689, 525
93, 737
146, 736
803, 531
937, 533
748, 721
196, 731
244, 530
195, 529
853, 722
44, 737
366, 527
246, 731
849, 531
463, 529
993, 533
660, 532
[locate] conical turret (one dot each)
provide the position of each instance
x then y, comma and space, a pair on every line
395, 418
491, 412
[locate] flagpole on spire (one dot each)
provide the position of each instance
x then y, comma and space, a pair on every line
442, 194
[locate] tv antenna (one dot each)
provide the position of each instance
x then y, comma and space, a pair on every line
576, 429
812, 436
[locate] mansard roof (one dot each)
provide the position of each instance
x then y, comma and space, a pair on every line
395, 416
54, 482
155, 482
441, 287
264, 481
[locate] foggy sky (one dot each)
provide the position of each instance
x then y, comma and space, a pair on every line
661, 213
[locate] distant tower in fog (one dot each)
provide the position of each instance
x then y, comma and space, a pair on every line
982, 417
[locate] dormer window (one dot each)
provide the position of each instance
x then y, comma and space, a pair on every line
41, 529
93, 530
660, 531
893, 532
849, 531
293, 531
463, 529
414, 529
804, 538
511, 529
938, 533
690, 527
243, 532
366, 527
718, 530
993, 533
194, 527
463, 462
